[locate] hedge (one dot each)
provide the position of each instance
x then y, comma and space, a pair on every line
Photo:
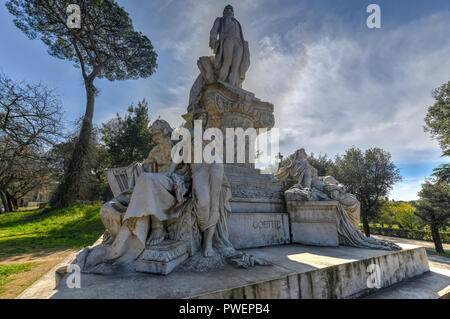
409, 233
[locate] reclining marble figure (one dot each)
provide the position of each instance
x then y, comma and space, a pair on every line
311, 187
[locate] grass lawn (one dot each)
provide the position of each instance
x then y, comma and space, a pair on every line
26, 209
7, 273
30, 231
34, 241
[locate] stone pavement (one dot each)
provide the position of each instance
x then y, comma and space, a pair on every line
297, 272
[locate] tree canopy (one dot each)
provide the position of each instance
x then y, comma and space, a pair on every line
128, 139
105, 46
30, 122
434, 207
437, 120
369, 175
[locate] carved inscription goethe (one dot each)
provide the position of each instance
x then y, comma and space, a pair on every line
267, 224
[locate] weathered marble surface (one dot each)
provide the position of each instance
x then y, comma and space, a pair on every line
314, 223
249, 230
232, 56
297, 272
154, 207
253, 192
162, 259
305, 186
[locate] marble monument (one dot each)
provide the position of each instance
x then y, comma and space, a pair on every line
168, 216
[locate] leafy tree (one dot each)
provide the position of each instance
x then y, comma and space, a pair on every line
95, 187
399, 213
442, 172
434, 208
128, 139
105, 46
406, 218
322, 163
30, 122
386, 214
437, 120
369, 175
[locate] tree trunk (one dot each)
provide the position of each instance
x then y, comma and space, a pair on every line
68, 190
437, 238
366, 227
6, 203
10, 201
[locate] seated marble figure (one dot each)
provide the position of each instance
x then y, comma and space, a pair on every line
170, 201
136, 218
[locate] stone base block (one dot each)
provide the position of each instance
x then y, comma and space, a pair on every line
253, 192
314, 223
162, 268
247, 230
261, 205
162, 259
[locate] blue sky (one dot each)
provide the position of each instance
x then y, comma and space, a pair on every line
334, 82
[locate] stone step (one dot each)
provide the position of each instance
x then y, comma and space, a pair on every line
434, 284
297, 272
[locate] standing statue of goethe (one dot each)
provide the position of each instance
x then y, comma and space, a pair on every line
232, 55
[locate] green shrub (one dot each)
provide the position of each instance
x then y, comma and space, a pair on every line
408, 233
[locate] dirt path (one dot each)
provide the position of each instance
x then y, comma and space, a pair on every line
45, 260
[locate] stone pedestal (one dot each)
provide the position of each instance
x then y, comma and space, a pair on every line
253, 192
258, 209
259, 215
313, 222
247, 230
232, 107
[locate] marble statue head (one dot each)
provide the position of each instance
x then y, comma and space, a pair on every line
161, 129
330, 180
228, 11
300, 154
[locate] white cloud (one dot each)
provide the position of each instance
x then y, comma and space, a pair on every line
332, 87
407, 190
335, 92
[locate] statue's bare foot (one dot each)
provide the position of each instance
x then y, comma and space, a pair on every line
97, 256
156, 237
208, 251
